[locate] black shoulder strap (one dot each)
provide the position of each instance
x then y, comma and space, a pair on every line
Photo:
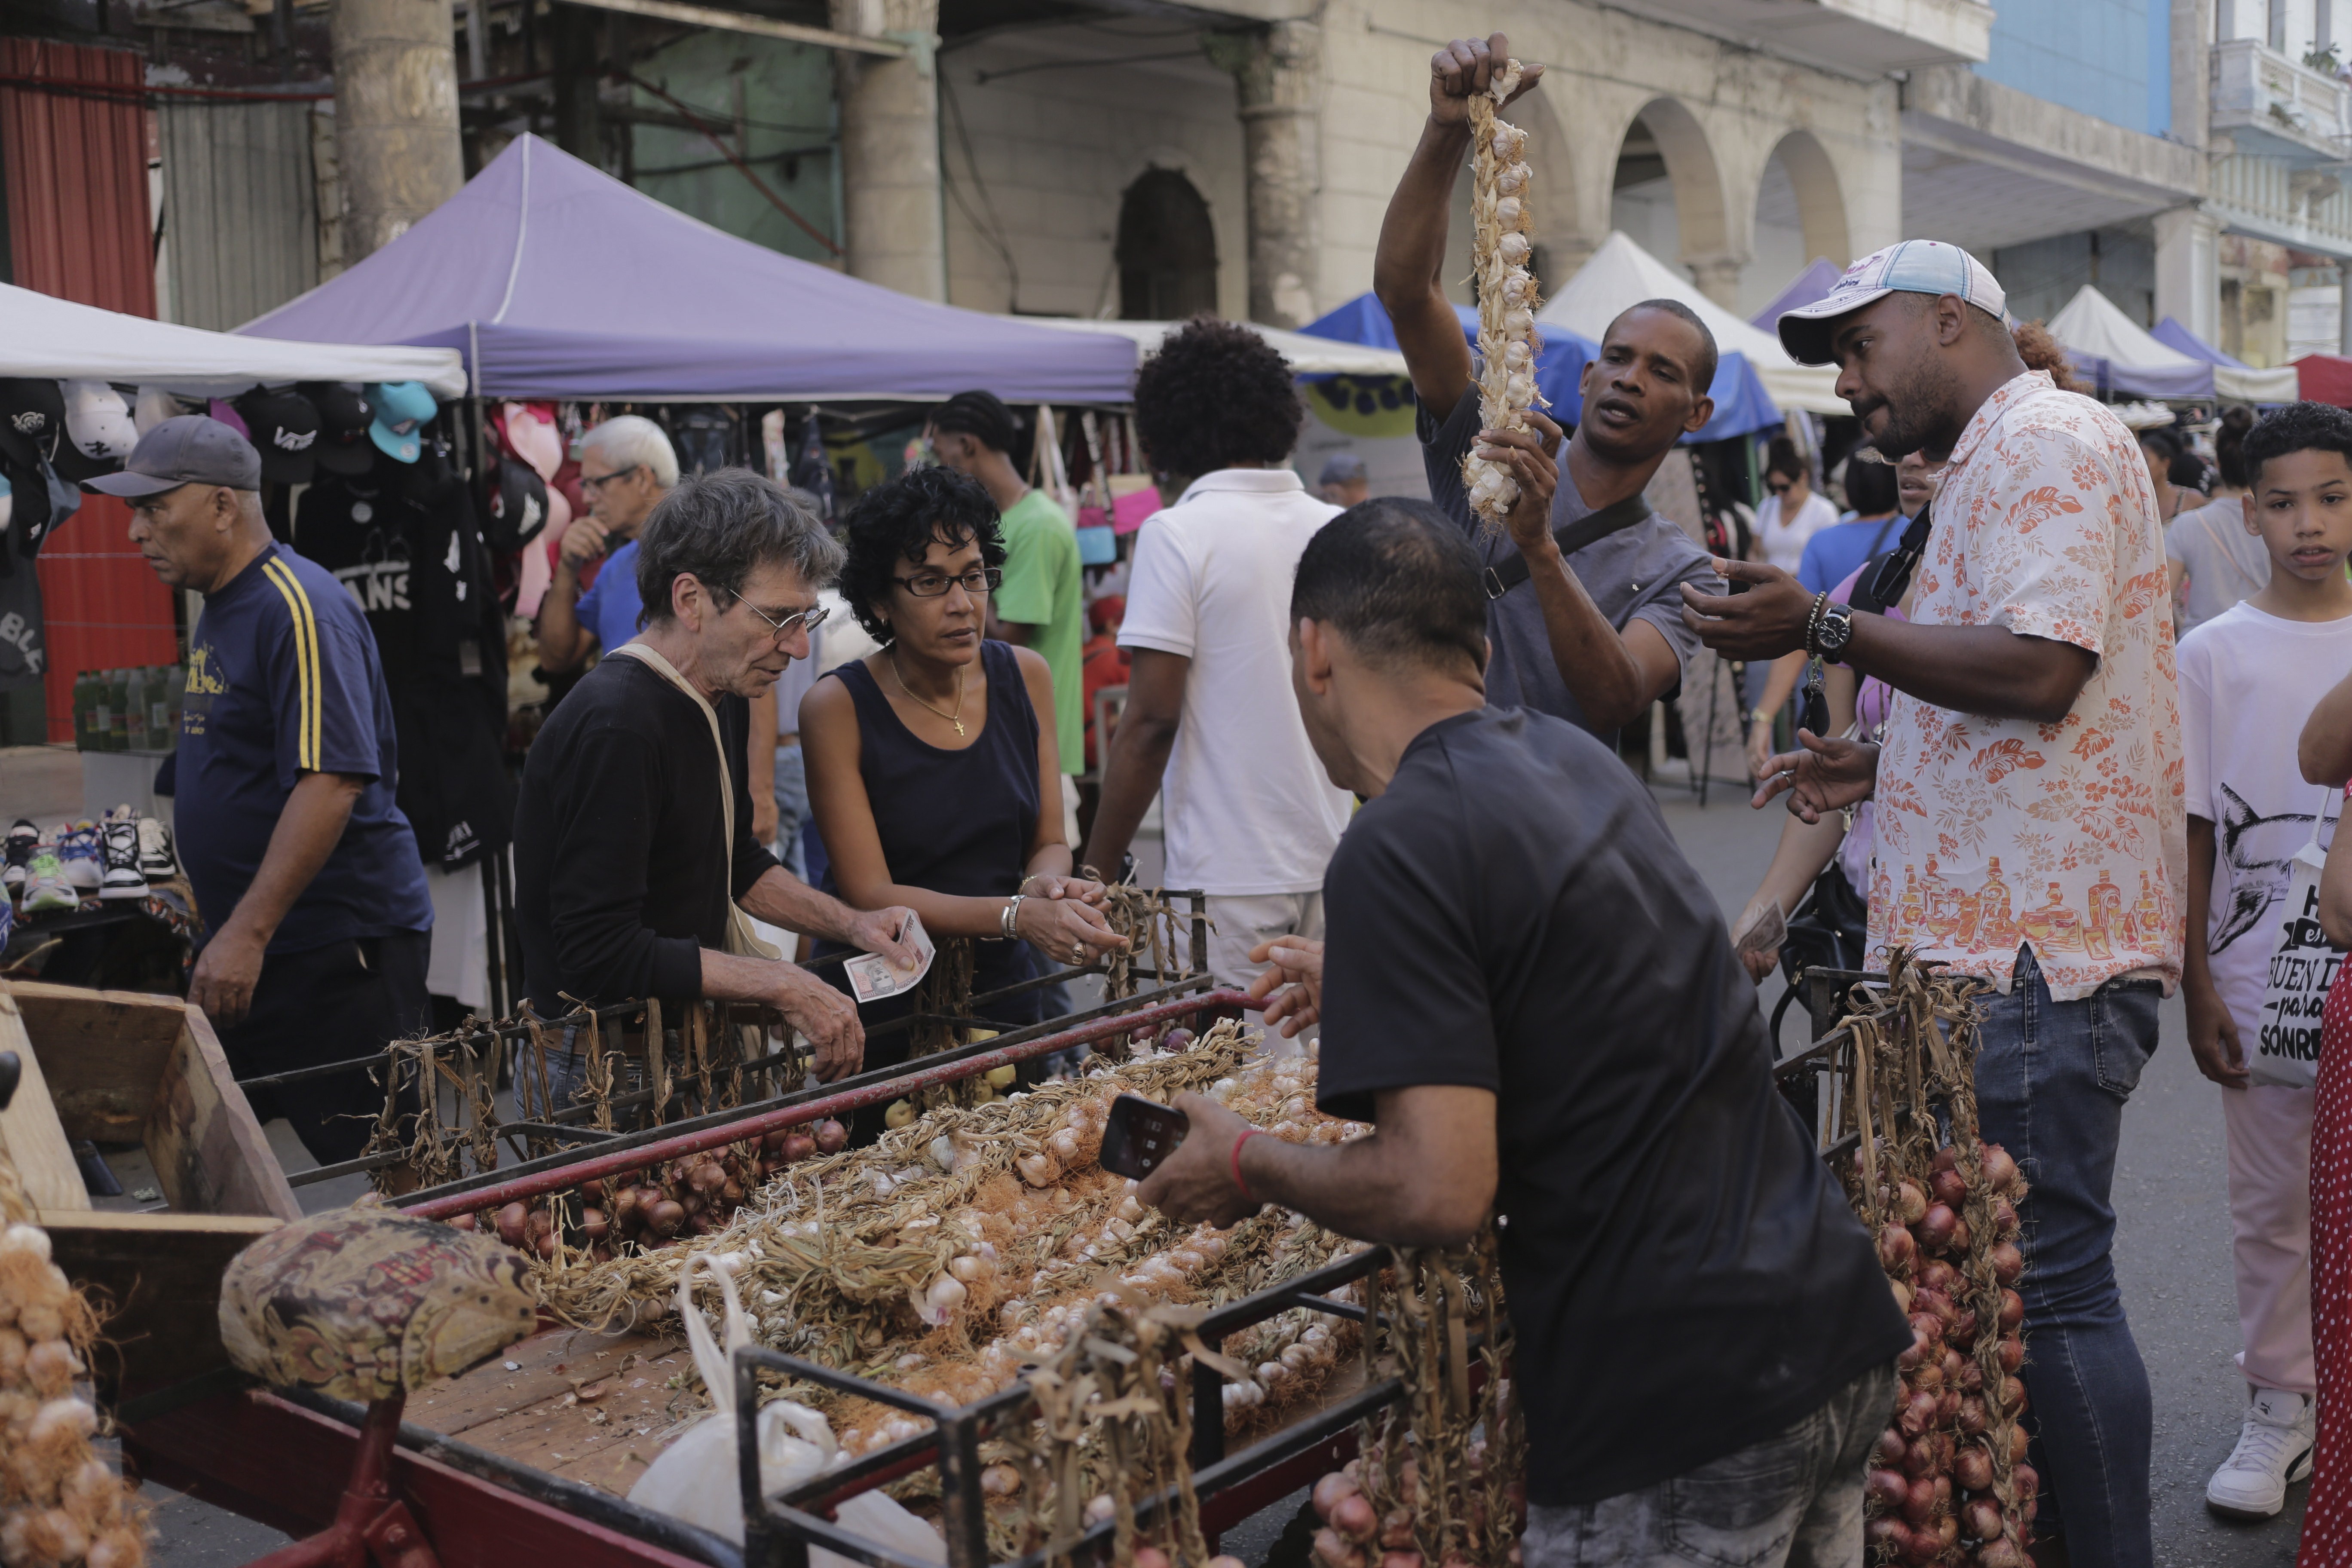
1587, 529
1887, 575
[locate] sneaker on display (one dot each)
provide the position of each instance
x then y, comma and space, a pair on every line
23, 840
46, 886
118, 841
80, 853
156, 861
2273, 1452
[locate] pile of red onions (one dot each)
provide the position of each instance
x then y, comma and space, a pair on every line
695, 1195
1355, 1536
1949, 1483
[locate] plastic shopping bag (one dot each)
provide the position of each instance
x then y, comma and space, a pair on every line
2303, 965
695, 1478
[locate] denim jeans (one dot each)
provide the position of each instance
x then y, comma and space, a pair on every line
2052, 1079
1793, 1501
567, 1079
791, 809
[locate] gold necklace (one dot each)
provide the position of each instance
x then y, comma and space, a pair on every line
955, 717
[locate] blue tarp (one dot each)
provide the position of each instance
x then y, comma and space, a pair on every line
557, 280
1741, 405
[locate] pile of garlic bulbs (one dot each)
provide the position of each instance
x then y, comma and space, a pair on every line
1507, 300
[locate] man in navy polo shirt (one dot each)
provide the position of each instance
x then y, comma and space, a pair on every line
306, 873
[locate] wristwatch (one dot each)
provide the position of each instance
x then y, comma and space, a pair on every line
1836, 630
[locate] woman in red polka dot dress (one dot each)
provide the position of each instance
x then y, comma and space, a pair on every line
2327, 1514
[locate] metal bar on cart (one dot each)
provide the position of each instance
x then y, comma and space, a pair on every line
500, 1188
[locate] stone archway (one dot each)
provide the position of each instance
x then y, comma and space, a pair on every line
1167, 250
1819, 200
1799, 213
1665, 141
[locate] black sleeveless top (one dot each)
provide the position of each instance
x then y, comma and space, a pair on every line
951, 822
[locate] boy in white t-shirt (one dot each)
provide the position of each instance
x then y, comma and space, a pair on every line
2249, 677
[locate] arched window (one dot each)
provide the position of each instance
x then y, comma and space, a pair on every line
1167, 251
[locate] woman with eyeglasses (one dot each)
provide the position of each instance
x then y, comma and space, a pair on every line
933, 784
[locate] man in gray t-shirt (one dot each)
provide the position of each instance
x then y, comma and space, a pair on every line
1594, 638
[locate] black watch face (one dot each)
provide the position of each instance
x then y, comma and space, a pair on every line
1837, 630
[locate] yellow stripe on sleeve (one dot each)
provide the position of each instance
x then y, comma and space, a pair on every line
307, 698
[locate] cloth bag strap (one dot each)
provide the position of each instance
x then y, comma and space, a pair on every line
740, 939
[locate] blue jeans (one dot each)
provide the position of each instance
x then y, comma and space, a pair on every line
2052, 1079
791, 809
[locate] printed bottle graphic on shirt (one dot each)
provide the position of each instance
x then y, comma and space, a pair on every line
2107, 918
1910, 915
1943, 917
1996, 930
2052, 927
2148, 933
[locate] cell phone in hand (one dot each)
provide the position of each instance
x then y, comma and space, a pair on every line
1138, 1134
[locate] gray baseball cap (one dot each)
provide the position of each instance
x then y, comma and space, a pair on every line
193, 449
1341, 469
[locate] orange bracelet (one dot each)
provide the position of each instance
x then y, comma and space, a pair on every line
1246, 1134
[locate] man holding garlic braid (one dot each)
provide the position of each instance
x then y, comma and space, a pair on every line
1596, 636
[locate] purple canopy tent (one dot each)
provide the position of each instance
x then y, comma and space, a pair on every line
2180, 339
556, 281
1819, 276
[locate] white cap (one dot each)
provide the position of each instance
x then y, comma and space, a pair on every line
155, 406
98, 422
1906, 266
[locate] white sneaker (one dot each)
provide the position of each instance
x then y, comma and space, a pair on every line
2273, 1452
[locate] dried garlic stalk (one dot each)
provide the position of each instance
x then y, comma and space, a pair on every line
1507, 342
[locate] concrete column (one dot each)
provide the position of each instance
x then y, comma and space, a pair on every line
2188, 270
1277, 73
2344, 306
396, 116
1718, 277
891, 196
2192, 80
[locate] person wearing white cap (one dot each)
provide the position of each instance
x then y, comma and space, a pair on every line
2030, 824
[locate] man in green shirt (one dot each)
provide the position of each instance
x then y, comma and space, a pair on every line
1039, 604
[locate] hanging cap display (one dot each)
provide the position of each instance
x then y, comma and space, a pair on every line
285, 431
518, 506
403, 409
344, 416
529, 431
98, 422
225, 411
190, 450
33, 408
155, 406
7, 503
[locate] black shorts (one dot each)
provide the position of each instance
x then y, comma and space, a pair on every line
328, 1004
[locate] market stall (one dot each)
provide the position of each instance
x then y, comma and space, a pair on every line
2233, 377
2120, 356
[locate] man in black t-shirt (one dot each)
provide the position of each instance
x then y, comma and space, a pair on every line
1532, 996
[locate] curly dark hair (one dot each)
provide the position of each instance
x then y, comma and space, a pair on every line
896, 521
1215, 395
2298, 427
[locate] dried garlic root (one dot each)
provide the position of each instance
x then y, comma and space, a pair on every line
1500, 250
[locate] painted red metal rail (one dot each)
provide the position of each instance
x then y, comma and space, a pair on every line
638, 1157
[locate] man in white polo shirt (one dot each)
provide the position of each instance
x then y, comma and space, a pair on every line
1249, 815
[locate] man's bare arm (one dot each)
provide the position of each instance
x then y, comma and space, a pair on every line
1138, 754
306, 831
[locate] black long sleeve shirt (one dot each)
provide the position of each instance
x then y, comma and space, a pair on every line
621, 873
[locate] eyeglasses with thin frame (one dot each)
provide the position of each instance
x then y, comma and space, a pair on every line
979, 579
806, 620
594, 485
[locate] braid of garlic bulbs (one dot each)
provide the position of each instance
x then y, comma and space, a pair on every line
1500, 250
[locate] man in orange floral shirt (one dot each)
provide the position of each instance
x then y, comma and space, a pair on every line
2028, 783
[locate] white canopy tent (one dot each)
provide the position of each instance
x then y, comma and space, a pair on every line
2092, 326
41, 335
1622, 273
1307, 356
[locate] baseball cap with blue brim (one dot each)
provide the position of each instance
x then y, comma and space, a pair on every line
402, 408
1908, 267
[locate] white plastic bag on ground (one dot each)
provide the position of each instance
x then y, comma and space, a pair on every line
695, 1478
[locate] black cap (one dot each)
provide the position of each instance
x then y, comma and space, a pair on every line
193, 449
518, 506
344, 416
285, 431
33, 411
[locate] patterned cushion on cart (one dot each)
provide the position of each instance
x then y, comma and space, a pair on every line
363, 1303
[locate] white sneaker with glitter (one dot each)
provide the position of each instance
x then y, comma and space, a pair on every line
2273, 1452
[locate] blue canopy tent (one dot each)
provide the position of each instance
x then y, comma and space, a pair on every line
1741, 405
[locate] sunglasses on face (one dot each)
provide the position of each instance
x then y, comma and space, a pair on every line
1781, 488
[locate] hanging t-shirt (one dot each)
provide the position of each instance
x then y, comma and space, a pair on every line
2224, 564
611, 607
283, 681
1042, 588
1512, 914
1247, 805
2248, 681
1783, 536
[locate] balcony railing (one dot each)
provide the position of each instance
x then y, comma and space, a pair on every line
2267, 102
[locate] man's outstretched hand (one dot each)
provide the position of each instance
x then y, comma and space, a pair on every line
1466, 66
1763, 623
1826, 775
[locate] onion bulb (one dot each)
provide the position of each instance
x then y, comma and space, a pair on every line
1936, 1227
1895, 1245
1353, 1518
2000, 1171
1888, 1489
831, 1136
2008, 1262
1972, 1467
1329, 1490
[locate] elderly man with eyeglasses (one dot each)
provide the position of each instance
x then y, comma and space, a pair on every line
634, 851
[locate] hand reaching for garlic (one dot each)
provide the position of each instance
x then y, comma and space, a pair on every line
1508, 297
